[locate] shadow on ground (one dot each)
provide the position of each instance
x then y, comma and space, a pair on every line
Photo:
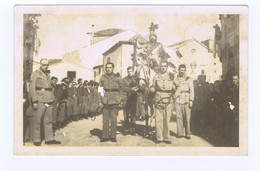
140, 130
96, 132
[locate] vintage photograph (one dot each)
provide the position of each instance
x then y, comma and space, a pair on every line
131, 76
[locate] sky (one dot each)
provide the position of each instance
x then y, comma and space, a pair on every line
63, 32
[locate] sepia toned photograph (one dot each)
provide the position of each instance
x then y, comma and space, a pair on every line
131, 80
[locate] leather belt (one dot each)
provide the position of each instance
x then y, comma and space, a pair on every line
111, 90
42, 89
49, 103
164, 91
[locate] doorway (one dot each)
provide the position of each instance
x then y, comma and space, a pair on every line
71, 75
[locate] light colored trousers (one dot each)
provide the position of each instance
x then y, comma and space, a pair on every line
43, 114
183, 119
162, 121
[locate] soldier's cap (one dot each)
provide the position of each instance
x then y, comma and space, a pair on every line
63, 83
96, 83
91, 83
182, 66
44, 61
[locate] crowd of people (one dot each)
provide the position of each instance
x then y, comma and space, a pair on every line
197, 104
216, 106
71, 100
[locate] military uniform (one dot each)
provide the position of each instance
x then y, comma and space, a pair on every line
72, 103
62, 96
85, 101
210, 112
131, 97
41, 92
111, 100
95, 100
141, 104
218, 95
55, 105
184, 94
79, 100
232, 118
164, 88
199, 105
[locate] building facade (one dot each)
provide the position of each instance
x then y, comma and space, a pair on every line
31, 43
121, 55
227, 43
199, 59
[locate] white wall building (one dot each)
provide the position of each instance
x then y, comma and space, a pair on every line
195, 54
83, 63
120, 55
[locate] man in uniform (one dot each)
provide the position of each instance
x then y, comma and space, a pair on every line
198, 111
184, 98
42, 98
232, 118
62, 96
164, 88
85, 99
72, 101
111, 101
130, 84
54, 85
80, 99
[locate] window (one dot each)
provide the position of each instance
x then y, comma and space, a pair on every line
71, 74
193, 51
108, 59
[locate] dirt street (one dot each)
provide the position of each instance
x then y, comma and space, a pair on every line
88, 132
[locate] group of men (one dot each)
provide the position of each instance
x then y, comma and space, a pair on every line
216, 108
166, 90
53, 106
74, 101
